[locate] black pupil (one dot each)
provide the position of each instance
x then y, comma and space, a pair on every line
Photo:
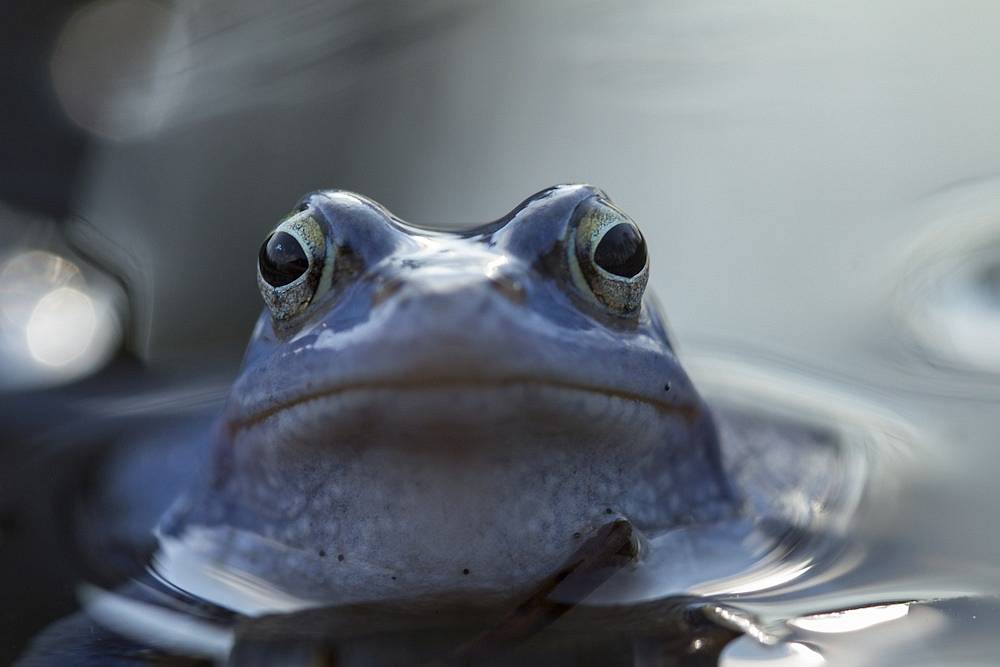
622, 251
282, 259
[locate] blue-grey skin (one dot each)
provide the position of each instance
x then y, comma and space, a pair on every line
449, 417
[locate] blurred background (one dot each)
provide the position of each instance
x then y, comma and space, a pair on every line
819, 185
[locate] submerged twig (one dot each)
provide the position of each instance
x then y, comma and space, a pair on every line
613, 546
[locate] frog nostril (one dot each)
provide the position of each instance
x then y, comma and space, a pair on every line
385, 289
508, 286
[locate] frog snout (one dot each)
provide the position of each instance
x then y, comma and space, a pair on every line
444, 303
442, 293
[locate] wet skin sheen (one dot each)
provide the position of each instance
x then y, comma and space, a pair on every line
428, 412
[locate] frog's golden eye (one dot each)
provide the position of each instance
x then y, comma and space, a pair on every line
291, 264
608, 256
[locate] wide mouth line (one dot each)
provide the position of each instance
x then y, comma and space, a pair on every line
686, 410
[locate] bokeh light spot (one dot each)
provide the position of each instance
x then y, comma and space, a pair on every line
61, 326
55, 325
110, 68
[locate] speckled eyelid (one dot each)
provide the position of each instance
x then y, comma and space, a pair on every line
287, 300
619, 290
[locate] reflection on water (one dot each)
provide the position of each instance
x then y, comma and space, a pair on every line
168, 629
937, 632
949, 293
788, 654
851, 620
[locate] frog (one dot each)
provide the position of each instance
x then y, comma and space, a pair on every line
430, 411
428, 416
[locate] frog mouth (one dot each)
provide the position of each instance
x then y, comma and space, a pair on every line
493, 389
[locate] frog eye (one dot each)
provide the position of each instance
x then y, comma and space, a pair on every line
291, 264
282, 259
608, 256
